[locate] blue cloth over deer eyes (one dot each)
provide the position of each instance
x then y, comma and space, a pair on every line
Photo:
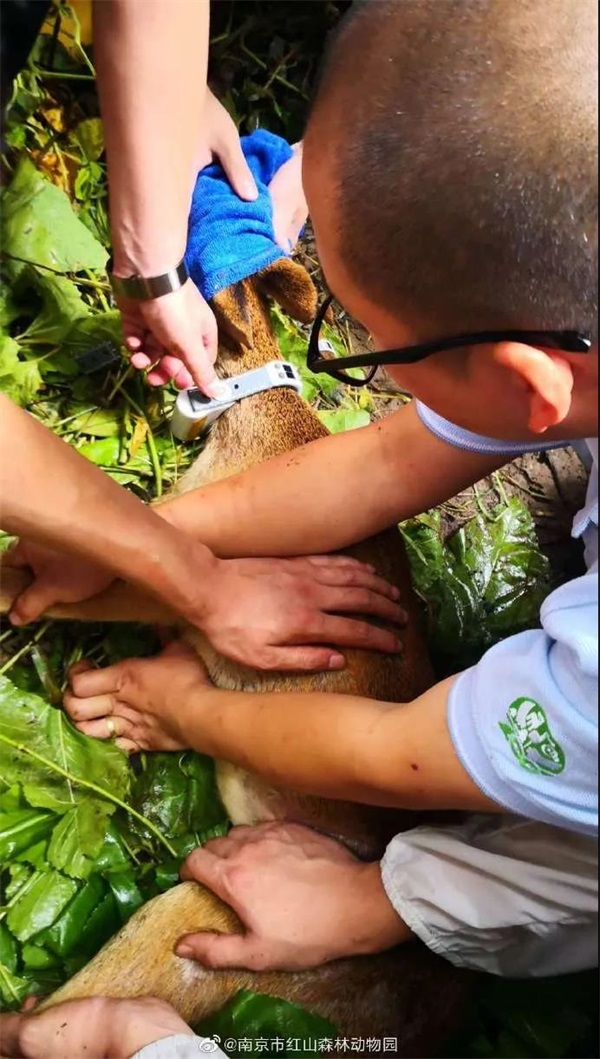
229, 239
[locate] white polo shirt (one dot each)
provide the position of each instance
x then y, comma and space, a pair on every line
524, 720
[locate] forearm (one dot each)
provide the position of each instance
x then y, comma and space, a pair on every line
337, 746
51, 495
330, 493
151, 61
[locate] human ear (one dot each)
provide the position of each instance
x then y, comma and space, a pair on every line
547, 377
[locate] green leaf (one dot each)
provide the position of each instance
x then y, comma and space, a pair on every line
92, 331
255, 1015
62, 304
104, 452
40, 226
40, 904
64, 936
13, 988
125, 892
8, 948
37, 728
78, 838
21, 829
37, 958
345, 419
486, 582
97, 423
178, 793
90, 135
19, 379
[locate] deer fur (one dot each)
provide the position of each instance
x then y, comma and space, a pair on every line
408, 992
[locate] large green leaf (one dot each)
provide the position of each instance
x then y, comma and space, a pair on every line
345, 419
40, 903
486, 582
37, 741
61, 302
289, 1029
78, 837
178, 793
20, 379
21, 829
39, 225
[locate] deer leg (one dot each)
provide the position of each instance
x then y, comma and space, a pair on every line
385, 995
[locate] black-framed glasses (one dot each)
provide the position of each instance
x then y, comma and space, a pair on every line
359, 369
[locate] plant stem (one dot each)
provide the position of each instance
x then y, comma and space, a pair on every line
25, 649
101, 791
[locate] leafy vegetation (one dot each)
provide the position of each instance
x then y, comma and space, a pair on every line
84, 838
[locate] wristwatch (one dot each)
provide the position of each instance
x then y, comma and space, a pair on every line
146, 288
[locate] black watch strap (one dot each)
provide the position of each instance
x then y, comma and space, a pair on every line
146, 288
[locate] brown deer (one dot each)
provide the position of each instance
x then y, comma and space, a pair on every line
406, 993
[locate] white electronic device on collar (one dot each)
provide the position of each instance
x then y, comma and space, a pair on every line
194, 412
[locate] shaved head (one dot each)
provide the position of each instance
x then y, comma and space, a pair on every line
458, 146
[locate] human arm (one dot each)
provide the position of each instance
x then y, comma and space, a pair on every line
51, 494
270, 615
519, 898
335, 491
158, 119
516, 733
97, 1027
337, 746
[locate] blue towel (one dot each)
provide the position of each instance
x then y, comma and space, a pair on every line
228, 239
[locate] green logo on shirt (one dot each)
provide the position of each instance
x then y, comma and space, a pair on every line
528, 734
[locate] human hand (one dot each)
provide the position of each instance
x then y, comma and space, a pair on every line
303, 899
272, 613
136, 702
97, 1027
175, 336
58, 578
220, 139
290, 208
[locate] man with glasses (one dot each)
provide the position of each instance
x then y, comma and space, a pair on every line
450, 165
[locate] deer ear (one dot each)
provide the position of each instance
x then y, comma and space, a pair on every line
290, 285
233, 311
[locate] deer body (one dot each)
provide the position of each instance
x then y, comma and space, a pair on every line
407, 992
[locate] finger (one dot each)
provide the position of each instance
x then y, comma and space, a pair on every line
237, 169
204, 867
303, 659
166, 369
134, 343
221, 847
91, 682
128, 745
347, 632
32, 602
106, 728
141, 361
87, 709
361, 601
80, 667
356, 577
223, 950
200, 360
170, 368
179, 649
338, 560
